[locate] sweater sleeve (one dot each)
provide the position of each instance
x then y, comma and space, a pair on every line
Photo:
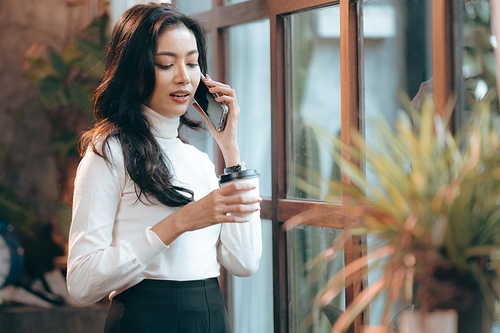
96, 264
240, 245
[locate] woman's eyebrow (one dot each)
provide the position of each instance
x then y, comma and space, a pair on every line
172, 54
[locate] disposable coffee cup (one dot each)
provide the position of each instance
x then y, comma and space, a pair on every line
247, 177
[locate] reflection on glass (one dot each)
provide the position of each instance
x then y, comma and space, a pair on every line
250, 76
232, 2
305, 244
314, 75
190, 7
397, 55
253, 296
480, 47
396, 58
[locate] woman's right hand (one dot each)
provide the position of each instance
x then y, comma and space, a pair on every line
210, 210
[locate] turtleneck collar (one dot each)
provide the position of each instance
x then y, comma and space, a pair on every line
161, 126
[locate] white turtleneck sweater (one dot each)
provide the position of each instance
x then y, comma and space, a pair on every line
111, 245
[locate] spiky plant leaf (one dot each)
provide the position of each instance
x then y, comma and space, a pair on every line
435, 196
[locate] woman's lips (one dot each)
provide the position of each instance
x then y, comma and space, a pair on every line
180, 96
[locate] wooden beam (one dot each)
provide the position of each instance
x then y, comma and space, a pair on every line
349, 99
266, 209
350, 115
241, 13
442, 53
278, 149
224, 16
280, 7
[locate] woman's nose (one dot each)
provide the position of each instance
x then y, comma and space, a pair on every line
181, 75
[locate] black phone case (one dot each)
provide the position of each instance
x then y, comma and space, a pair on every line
215, 111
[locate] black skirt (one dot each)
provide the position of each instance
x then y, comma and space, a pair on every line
157, 306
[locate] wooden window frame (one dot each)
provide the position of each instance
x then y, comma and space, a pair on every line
279, 208
442, 53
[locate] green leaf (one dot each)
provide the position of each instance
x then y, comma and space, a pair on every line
35, 70
93, 57
90, 48
18, 212
80, 96
89, 86
71, 54
65, 144
64, 96
57, 63
98, 31
64, 218
49, 89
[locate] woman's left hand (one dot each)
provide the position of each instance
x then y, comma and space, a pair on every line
227, 140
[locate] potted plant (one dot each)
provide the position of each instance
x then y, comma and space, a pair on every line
433, 204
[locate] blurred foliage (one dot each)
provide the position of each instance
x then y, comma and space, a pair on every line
435, 206
478, 67
17, 211
66, 81
72, 75
64, 218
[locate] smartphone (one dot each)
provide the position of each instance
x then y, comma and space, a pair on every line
215, 111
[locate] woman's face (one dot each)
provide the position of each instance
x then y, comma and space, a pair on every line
177, 72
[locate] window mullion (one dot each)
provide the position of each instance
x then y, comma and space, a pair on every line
350, 114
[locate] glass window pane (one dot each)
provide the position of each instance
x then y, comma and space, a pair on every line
314, 76
190, 7
396, 59
253, 296
250, 76
397, 56
305, 243
232, 2
479, 51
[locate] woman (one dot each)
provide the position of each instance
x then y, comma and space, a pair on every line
150, 224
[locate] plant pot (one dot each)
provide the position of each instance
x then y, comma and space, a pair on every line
449, 289
475, 318
440, 321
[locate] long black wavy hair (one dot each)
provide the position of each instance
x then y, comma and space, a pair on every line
128, 82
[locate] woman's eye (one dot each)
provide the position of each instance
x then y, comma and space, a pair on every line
193, 65
163, 66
